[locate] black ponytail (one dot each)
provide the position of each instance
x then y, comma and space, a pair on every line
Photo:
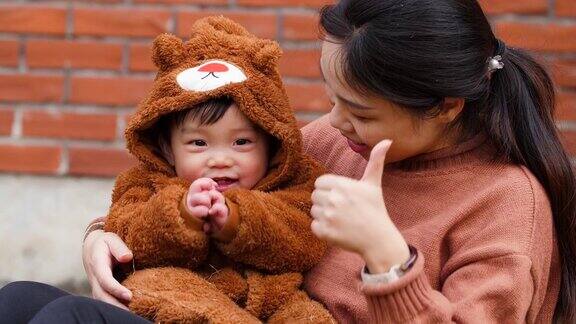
520, 120
415, 53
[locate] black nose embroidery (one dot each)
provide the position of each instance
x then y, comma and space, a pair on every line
211, 73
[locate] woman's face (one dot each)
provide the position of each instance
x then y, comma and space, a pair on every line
367, 121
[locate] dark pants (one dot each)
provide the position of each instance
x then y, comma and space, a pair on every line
25, 301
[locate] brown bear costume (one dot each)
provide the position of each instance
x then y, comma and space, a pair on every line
251, 270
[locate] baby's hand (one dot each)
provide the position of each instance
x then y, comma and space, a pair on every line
218, 213
199, 199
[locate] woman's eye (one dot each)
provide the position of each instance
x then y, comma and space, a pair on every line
242, 141
198, 142
360, 118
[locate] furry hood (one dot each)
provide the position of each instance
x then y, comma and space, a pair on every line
220, 59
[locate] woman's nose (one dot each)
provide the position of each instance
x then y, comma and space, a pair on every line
339, 121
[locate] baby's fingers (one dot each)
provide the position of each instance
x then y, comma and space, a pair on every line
199, 211
199, 199
219, 215
218, 211
202, 184
216, 197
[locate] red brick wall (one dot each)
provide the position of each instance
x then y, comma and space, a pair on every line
72, 71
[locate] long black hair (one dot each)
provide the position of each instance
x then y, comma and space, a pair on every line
416, 53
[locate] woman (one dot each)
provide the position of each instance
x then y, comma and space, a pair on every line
449, 181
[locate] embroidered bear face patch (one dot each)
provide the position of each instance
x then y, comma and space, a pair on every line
209, 76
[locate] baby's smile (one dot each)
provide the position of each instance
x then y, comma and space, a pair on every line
225, 183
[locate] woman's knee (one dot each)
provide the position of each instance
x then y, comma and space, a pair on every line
78, 309
67, 309
22, 290
72, 304
21, 300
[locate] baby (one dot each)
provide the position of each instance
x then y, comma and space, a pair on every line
216, 147
216, 212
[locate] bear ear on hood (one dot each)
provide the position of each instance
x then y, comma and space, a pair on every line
223, 25
267, 56
168, 51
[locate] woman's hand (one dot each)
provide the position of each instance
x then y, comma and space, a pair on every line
101, 251
351, 214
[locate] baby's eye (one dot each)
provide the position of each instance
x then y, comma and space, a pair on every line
198, 142
242, 141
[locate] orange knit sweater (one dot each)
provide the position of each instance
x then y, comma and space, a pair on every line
484, 230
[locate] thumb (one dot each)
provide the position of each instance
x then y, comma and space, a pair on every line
375, 166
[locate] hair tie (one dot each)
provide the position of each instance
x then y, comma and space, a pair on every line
495, 62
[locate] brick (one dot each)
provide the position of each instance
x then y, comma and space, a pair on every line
540, 37
99, 1
284, 3
566, 106
308, 97
122, 91
300, 63
30, 159
6, 121
33, 19
301, 27
517, 6
141, 58
74, 54
200, 2
8, 53
99, 161
566, 8
32, 88
564, 72
569, 141
261, 24
121, 22
69, 125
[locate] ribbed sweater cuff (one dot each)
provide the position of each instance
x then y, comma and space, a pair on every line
401, 300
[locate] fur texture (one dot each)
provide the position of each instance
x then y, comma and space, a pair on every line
252, 274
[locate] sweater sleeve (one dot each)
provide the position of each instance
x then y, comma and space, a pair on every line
495, 273
147, 216
273, 228
482, 291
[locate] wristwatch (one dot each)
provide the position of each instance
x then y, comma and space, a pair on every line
93, 227
395, 272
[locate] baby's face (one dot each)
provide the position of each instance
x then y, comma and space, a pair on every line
231, 151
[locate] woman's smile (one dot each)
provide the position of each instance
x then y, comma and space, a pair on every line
357, 147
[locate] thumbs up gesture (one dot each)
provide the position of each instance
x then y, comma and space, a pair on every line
352, 215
